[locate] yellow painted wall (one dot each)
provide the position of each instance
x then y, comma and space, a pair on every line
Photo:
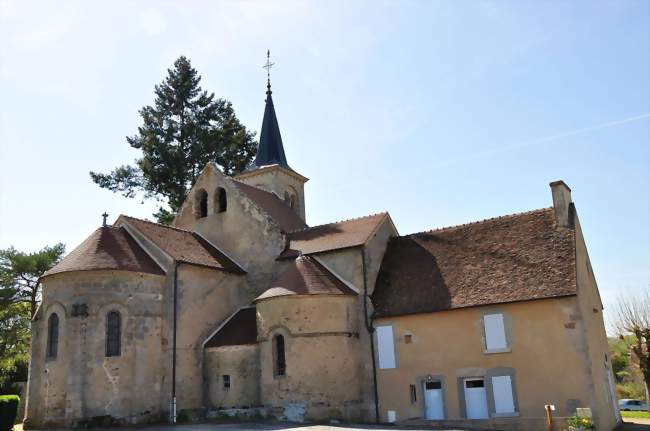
547, 354
598, 356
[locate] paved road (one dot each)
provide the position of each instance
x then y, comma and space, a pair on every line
255, 427
638, 425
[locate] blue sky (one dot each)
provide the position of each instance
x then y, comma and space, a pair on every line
438, 112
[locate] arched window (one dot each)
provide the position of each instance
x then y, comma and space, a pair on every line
286, 197
222, 200
113, 333
292, 202
280, 362
201, 203
52, 336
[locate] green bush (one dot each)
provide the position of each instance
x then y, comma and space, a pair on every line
578, 422
8, 411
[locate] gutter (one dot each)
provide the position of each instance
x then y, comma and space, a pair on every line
173, 406
371, 330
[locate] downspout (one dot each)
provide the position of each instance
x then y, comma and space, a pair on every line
371, 331
173, 415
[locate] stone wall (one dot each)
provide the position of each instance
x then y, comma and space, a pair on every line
322, 354
242, 365
81, 382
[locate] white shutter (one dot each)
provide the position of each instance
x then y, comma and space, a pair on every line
385, 347
503, 400
495, 334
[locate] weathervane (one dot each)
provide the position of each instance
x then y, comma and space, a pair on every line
268, 65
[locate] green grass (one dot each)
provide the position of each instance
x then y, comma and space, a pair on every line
636, 415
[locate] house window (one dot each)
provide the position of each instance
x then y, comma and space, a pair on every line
280, 362
113, 333
222, 200
414, 396
385, 347
226, 381
503, 399
495, 334
52, 335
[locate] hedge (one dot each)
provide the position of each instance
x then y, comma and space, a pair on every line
8, 411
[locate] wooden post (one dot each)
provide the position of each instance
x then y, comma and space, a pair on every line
549, 416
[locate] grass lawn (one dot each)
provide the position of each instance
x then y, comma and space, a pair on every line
637, 415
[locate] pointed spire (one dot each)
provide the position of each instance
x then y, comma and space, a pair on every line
270, 150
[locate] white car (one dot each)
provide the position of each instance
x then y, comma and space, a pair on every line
634, 405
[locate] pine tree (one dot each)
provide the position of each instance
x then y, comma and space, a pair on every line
184, 130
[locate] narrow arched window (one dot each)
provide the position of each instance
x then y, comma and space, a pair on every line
292, 202
113, 333
202, 204
52, 336
280, 361
222, 200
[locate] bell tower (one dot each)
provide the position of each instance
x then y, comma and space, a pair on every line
270, 170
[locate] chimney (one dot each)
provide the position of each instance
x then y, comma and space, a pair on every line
561, 203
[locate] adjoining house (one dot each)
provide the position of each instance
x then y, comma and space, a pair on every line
241, 306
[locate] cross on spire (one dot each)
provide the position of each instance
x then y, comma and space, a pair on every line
104, 216
268, 65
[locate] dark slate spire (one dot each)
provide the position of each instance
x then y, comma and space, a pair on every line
270, 150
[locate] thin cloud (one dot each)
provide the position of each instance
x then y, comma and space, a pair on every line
555, 137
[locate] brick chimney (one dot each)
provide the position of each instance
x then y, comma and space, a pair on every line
561, 203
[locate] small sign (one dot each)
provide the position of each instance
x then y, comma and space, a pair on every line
583, 412
550, 407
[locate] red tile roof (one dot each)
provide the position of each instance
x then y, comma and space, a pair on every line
238, 329
333, 236
108, 248
306, 276
275, 207
183, 245
517, 257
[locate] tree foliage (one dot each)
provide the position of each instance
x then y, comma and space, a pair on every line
20, 273
629, 381
20, 294
633, 319
14, 345
184, 130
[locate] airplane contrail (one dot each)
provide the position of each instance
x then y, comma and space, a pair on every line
557, 136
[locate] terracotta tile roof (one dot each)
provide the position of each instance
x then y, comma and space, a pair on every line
238, 329
107, 248
275, 207
306, 276
333, 236
183, 245
512, 258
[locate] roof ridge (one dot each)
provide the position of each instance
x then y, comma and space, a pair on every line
157, 224
472, 223
340, 221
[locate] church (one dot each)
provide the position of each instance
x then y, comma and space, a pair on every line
241, 308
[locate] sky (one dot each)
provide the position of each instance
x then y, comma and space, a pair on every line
439, 112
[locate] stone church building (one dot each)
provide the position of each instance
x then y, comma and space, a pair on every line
240, 306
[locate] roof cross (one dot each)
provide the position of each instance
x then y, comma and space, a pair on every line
268, 65
104, 216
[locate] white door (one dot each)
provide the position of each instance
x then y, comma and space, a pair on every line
433, 408
476, 399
